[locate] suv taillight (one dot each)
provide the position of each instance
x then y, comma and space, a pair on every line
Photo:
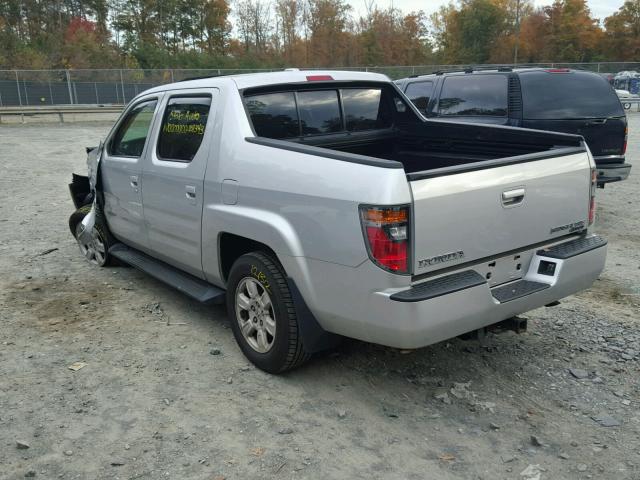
592, 196
626, 134
386, 234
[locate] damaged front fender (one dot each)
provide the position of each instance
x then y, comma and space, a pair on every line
93, 169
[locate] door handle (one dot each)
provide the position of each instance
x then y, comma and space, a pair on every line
190, 193
512, 197
133, 181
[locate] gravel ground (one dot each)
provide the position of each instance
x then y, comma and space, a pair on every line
165, 392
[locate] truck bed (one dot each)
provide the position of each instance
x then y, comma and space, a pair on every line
442, 145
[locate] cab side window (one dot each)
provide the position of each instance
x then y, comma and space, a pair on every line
131, 135
183, 126
420, 93
474, 95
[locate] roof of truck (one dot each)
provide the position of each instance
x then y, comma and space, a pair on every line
250, 80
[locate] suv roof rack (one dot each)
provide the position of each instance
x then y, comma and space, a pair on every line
478, 68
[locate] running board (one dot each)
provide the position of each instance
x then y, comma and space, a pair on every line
188, 284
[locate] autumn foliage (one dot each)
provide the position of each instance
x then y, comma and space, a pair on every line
311, 33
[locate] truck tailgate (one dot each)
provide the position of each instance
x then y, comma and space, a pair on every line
477, 214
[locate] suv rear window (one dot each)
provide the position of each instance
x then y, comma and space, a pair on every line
477, 95
547, 95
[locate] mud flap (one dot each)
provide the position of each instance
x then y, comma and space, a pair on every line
314, 337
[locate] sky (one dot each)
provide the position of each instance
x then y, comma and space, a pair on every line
599, 8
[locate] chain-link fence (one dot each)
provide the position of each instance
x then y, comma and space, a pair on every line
119, 86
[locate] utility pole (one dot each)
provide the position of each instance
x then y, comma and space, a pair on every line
515, 50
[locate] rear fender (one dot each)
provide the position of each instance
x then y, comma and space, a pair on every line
254, 224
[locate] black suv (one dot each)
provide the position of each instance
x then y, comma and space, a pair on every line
556, 99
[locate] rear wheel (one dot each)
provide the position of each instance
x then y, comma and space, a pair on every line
263, 317
95, 248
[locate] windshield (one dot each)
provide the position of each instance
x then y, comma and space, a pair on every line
569, 95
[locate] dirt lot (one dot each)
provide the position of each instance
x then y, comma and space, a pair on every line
153, 401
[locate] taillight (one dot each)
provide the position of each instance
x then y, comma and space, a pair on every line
386, 232
592, 196
624, 146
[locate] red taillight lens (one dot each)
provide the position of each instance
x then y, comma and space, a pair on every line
624, 146
592, 196
387, 236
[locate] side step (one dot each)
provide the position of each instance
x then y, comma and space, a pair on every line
515, 290
440, 286
192, 286
579, 246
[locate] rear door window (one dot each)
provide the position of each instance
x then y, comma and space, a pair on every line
557, 96
274, 115
319, 112
132, 132
420, 93
364, 109
474, 95
182, 129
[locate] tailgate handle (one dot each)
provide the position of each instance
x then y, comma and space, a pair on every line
513, 197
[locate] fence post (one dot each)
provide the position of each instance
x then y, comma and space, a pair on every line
95, 87
18, 87
598, 67
69, 86
124, 99
172, 80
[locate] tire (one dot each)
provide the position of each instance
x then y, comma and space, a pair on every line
626, 106
101, 240
284, 349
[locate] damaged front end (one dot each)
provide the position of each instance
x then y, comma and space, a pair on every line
83, 191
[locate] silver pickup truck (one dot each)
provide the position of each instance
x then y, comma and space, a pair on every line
322, 204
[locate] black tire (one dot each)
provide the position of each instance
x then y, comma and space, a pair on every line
77, 216
100, 225
287, 351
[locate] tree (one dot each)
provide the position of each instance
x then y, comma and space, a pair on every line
469, 34
328, 22
623, 32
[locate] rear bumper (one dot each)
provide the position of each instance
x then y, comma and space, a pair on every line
451, 305
612, 172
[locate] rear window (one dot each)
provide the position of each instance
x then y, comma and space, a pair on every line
469, 95
364, 110
319, 112
274, 115
556, 96
420, 93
